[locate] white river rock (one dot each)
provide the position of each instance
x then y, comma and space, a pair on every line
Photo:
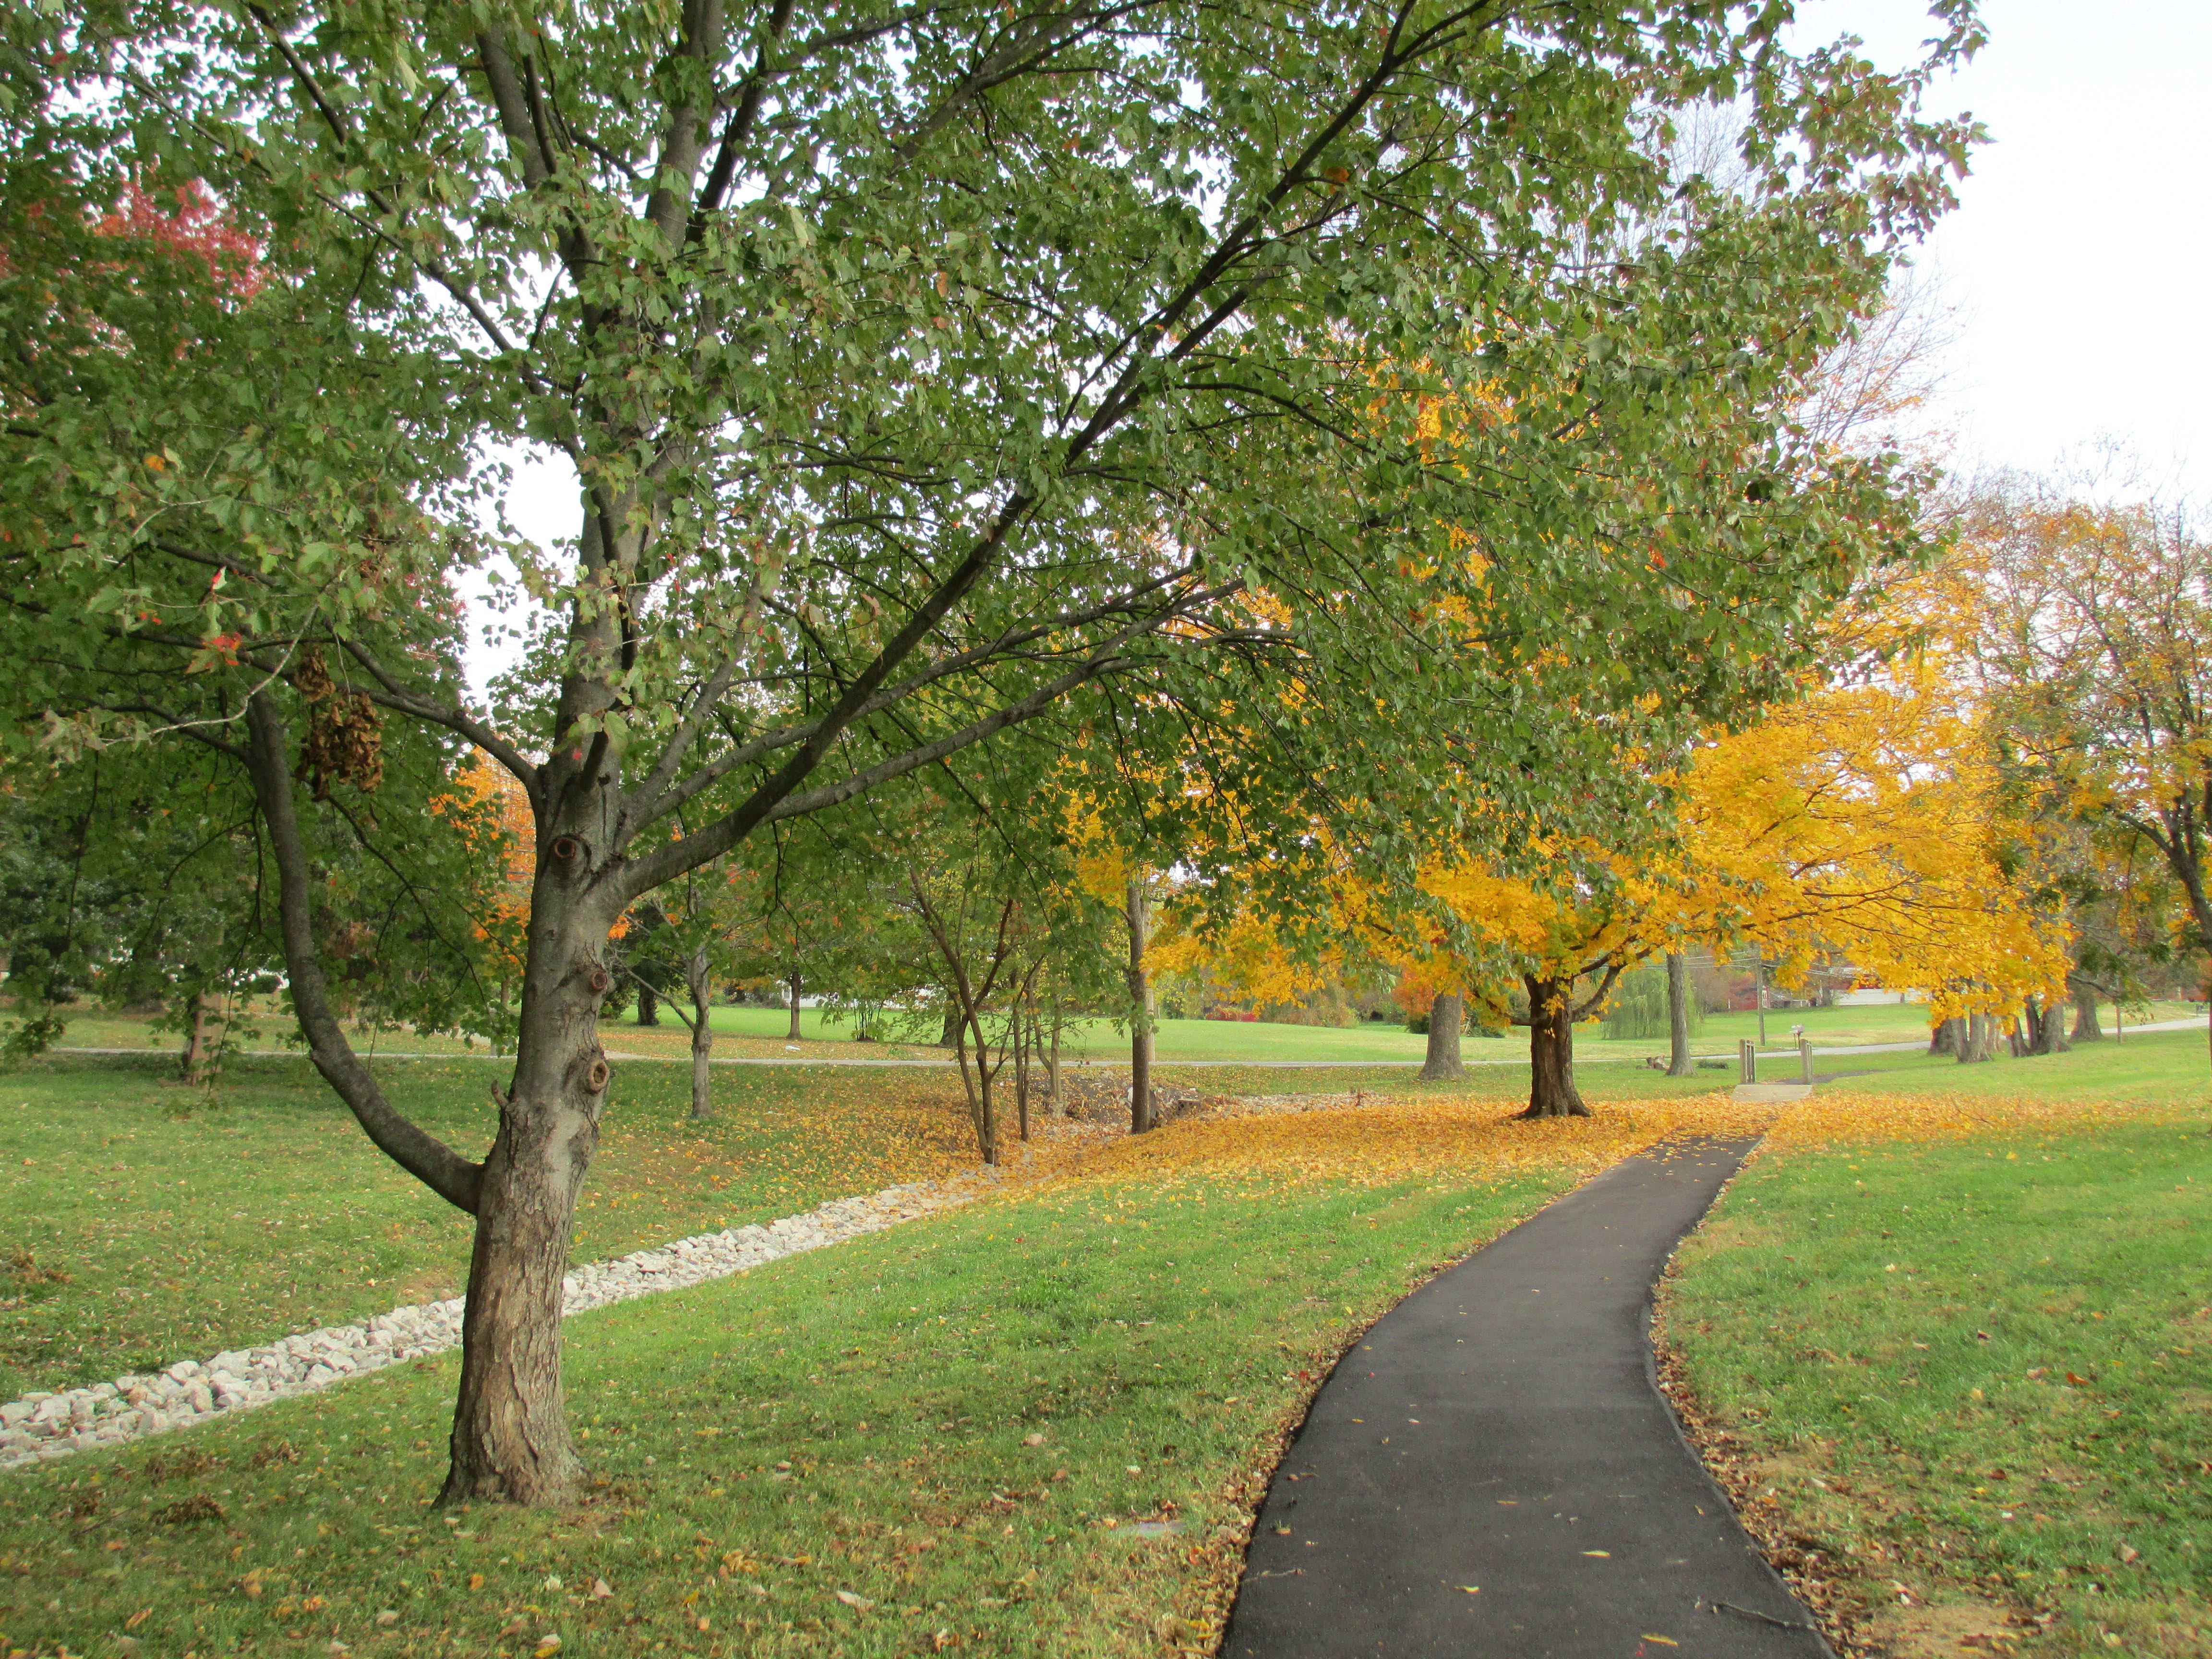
42, 1425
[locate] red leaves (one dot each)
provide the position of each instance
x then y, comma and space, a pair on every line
197, 226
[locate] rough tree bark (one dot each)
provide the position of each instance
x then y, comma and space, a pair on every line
795, 994
1943, 1037
1976, 1036
510, 1438
1446, 1017
1552, 1091
648, 1005
1140, 1012
1678, 1063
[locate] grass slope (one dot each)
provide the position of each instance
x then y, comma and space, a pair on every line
141, 1223
1036, 1425
1977, 1376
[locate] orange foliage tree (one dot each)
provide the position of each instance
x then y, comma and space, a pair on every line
1869, 821
2095, 650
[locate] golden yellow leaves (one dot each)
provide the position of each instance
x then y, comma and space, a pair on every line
1869, 821
1461, 1141
1397, 1140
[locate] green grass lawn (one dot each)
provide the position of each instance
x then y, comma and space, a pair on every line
1156, 1322
1718, 1035
2150, 1068
1033, 1426
764, 1033
141, 1222
1977, 1376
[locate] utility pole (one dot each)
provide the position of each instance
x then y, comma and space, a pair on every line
1758, 972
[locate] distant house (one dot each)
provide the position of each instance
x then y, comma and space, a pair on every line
1828, 985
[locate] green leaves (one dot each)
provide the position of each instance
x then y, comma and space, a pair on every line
1353, 408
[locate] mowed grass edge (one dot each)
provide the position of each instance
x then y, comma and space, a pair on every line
1963, 1384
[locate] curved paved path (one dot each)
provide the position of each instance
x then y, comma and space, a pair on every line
1492, 1474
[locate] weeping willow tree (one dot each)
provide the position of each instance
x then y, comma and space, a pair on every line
1639, 1005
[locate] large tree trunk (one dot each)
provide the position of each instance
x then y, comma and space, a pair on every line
1444, 1022
1943, 1037
795, 990
701, 986
510, 1440
1552, 1091
2086, 1027
1976, 1039
1141, 1013
1678, 1063
2046, 1026
950, 1036
649, 1005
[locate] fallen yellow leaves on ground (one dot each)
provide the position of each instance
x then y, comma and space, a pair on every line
1393, 1140
1257, 1147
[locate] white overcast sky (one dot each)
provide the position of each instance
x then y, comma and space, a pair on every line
2076, 261
2077, 257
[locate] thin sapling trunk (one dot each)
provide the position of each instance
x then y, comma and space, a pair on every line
1054, 1104
1021, 1071
1140, 1010
701, 984
196, 1038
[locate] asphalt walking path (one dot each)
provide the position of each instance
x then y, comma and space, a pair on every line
1492, 1473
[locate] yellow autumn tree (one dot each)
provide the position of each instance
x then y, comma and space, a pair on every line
1867, 821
